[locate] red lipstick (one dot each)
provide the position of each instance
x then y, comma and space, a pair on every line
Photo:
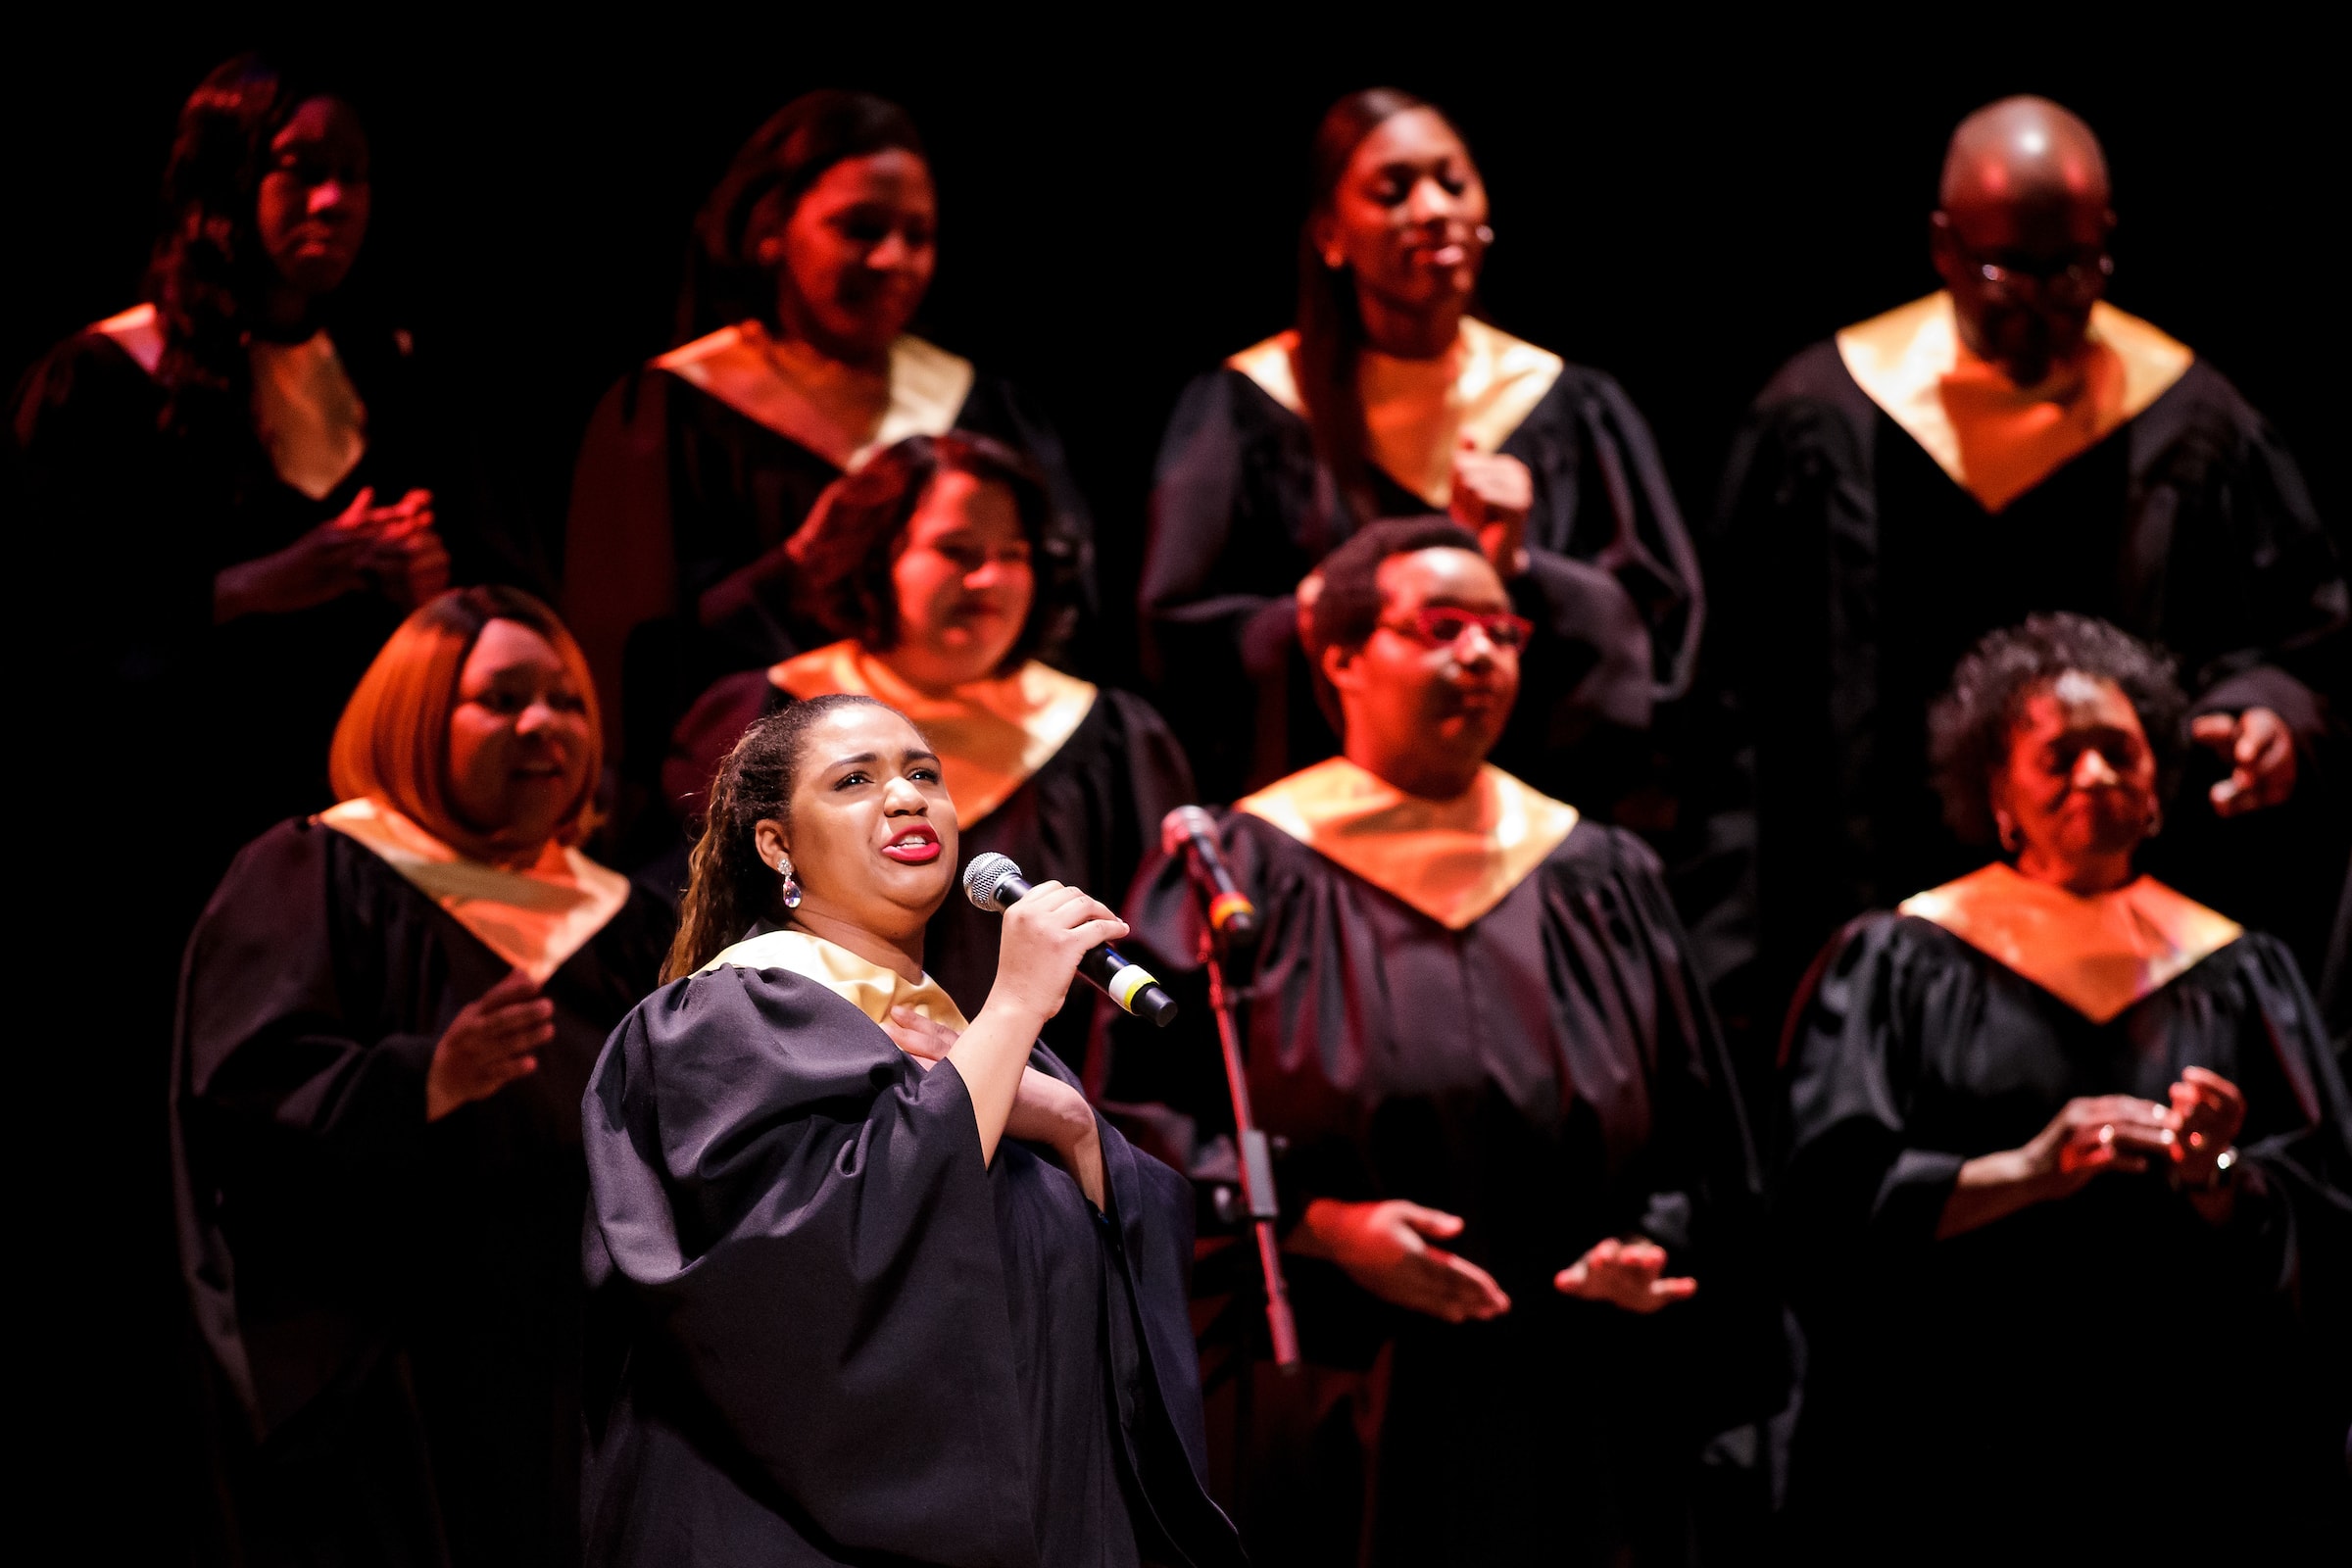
913, 844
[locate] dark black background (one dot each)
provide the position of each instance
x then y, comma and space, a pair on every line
1679, 206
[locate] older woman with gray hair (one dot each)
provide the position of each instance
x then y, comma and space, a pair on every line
2067, 1174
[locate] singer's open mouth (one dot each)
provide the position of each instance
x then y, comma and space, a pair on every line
917, 845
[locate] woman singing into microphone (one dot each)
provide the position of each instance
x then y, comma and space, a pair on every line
876, 1282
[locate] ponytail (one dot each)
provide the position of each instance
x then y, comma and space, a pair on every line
728, 886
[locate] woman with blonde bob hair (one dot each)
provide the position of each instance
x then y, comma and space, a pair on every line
387, 1016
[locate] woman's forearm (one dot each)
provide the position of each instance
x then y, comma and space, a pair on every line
1990, 1186
991, 1055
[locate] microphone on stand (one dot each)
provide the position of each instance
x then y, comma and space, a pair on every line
1192, 832
993, 881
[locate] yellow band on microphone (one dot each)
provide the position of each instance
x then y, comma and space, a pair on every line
1227, 906
1127, 982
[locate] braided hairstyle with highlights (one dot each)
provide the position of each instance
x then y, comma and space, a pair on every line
729, 887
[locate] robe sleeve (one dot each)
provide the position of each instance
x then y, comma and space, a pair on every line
90, 476
804, 1223
1854, 1174
1606, 499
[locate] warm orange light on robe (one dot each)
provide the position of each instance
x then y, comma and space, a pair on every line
1452, 860
2098, 953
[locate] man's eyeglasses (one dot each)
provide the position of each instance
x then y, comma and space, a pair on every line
1439, 628
2077, 282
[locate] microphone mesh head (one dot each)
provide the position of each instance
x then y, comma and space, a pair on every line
1182, 823
980, 879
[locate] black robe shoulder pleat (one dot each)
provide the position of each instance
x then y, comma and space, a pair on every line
1552, 1075
1242, 510
393, 1307
2047, 1375
840, 1337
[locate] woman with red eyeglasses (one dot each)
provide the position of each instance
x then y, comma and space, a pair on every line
1517, 1188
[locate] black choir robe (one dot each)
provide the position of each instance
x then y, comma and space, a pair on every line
130, 522
392, 1307
1086, 815
838, 1336
1867, 571
1540, 1061
2106, 1362
678, 492
1241, 508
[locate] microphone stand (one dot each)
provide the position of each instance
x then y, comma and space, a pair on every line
1257, 1162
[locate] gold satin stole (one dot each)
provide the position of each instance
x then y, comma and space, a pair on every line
991, 735
1417, 412
308, 415
864, 985
1452, 860
535, 919
1996, 439
841, 413
2098, 954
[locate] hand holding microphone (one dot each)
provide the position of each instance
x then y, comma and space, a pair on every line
1058, 927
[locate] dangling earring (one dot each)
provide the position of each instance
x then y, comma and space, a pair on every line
2007, 827
2155, 818
1486, 233
792, 889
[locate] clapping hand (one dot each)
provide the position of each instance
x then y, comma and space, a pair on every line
491, 1042
1625, 1274
2260, 751
1491, 497
406, 556
2208, 1110
1386, 1249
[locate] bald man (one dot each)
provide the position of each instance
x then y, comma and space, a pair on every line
2008, 445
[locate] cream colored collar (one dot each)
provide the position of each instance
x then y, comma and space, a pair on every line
1997, 440
868, 987
534, 919
137, 332
1452, 860
843, 414
2097, 954
1417, 412
991, 735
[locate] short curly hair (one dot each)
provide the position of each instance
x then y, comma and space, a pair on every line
1347, 602
853, 538
1970, 725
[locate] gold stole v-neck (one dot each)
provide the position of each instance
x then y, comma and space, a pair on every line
308, 415
1416, 412
991, 735
867, 986
1452, 860
534, 919
1994, 439
2098, 954
827, 408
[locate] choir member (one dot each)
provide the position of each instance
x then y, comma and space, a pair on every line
1390, 396
2014, 444
880, 1284
388, 1016
1514, 1150
930, 567
2068, 1173
244, 453
794, 365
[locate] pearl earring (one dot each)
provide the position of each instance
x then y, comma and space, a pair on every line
792, 889
1486, 234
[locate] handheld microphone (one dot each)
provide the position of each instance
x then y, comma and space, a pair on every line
993, 881
1193, 832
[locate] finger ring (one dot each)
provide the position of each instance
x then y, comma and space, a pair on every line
2107, 1134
